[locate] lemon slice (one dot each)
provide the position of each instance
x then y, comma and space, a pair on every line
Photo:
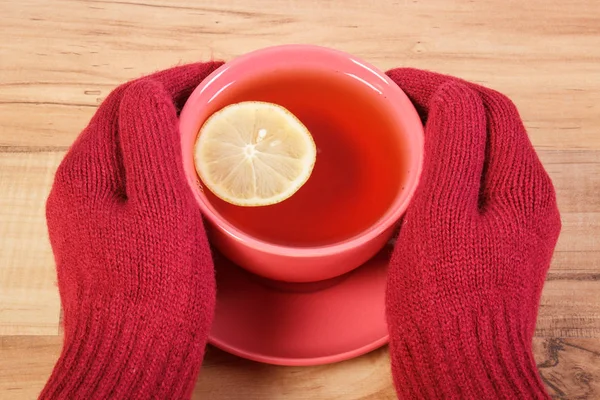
254, 153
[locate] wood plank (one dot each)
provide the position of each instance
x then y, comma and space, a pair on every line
570, 306
576, 177
112, 47
28, 127
580, 233
568, 366
29, 302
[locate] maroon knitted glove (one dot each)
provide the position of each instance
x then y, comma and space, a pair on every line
134, 268
475, 244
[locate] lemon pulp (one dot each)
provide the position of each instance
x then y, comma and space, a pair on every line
254, 153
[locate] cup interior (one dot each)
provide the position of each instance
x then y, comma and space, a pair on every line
369, 147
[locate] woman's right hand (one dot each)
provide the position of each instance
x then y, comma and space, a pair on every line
473, 251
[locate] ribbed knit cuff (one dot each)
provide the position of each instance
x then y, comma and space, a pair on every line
477, 353
114, 353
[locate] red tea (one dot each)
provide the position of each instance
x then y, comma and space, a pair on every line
359, 169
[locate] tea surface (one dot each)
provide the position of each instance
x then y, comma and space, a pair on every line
359, 170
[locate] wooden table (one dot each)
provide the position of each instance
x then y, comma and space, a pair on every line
59, 59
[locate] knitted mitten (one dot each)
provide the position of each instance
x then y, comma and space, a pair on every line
475, 244
134, 268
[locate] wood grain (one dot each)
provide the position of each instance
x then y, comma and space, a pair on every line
29, 301
569, 367
59, 59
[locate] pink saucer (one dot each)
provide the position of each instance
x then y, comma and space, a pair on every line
301, 325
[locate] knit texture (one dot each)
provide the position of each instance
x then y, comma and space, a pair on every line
136, 278
135, 273
467, 270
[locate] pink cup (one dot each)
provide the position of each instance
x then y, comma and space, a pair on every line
292, 263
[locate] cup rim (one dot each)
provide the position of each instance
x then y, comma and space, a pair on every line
314, 57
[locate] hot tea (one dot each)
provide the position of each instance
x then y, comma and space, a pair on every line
360, 166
